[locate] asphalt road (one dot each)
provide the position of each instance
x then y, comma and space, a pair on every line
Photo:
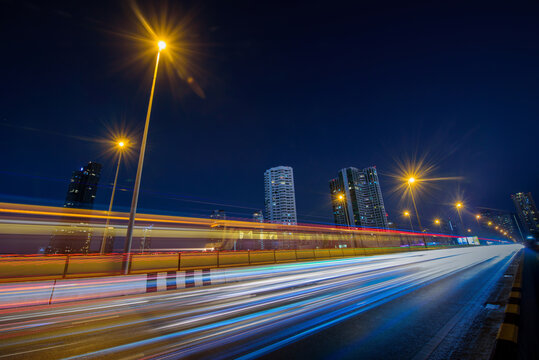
414, 305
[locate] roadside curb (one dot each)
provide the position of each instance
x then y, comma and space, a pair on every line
506, 340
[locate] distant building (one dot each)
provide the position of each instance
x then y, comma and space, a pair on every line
356, 198
280, 197
527, 213
81, 193
218, 215
501, 219
83, 187
258, 216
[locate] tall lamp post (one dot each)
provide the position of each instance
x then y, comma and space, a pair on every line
129, 234
120, 145
459, 206
407, 214
411, 182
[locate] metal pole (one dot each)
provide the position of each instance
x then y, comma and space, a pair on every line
134, 200
104, 242
417, 214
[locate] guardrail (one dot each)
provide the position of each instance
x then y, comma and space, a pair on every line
51, 267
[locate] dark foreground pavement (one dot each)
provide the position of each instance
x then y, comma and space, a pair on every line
416, 305
528, 334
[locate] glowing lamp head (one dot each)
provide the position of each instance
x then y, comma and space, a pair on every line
411, 180
121, 144
406, 213
478, 216
458, 205
469, 230
437, 221
162, 45
341, 197
489, 223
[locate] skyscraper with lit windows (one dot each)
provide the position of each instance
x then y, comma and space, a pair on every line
280, 197
81, 193
527, 212
356, 198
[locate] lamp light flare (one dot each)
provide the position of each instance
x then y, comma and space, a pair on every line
162, 45
121, 144
437, 221
478, 216
458, 205
406, 213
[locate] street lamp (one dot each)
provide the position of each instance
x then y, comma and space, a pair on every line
459, 205
129, 234
407, 214
411, 181
120, 146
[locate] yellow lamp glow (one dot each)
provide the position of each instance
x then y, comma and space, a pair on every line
437, 221
406, 213
162, 45
121, 144
411, 180
458, 205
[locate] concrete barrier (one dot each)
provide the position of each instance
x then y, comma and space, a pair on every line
75, 266
305, 254
321, 253
32, 268
262, 257
197, 260
285, 255
335, 253
84, 266
144, 263
233, 258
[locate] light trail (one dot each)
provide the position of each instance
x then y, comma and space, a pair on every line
268, 308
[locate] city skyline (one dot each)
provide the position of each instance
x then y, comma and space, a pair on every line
47, 130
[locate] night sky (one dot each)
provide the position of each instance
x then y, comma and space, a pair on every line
318, 86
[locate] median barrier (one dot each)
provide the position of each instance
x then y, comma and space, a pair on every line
305, 254
321, 253
262, 256
85, 266
285, 255
348, 252
335, 253
32, 268
233, 258
198, 260
144, 263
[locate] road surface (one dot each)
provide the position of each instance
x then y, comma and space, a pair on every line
413, 305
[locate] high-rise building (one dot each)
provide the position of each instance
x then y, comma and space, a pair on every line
83, 186
82, 189
357, 200
280, 199
527, 213
258, 216
492, 218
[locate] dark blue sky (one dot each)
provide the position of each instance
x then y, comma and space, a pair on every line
317, 86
